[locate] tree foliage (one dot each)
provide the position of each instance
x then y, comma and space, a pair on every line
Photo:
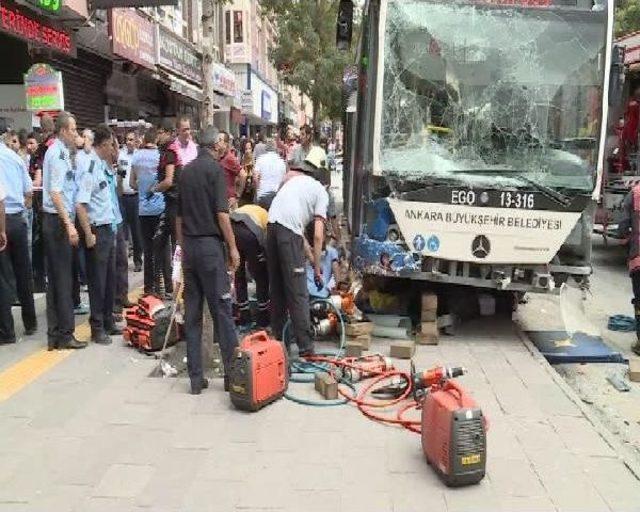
627, 17
305, 52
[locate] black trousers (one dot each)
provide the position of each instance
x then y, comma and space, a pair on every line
129, 207
252, 255
101, 268
152, 268
288, 284
78, 271
122, 268
635, 283
205, 277
165, 233
37, 245
60, 319
16, 264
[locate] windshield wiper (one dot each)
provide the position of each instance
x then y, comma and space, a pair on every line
545, 190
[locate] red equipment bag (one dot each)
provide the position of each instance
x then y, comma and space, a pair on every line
147, 324
454, 435
259, 372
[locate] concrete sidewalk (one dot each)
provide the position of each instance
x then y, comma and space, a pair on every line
94, 433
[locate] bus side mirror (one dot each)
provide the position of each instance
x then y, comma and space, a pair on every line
344, 27
617, 75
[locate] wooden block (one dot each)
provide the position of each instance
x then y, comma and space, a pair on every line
358, 328
402, 349
634, 370
429, 301
326, 385
353, 349
428, 316
428, 333
363, 339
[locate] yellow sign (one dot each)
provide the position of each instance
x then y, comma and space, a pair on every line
471, 459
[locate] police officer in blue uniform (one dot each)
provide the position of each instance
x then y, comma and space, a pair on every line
15, 261
60, 234
99, 216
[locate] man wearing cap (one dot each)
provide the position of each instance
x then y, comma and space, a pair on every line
301, 200
204, 227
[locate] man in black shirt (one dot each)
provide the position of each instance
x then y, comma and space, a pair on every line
203, 226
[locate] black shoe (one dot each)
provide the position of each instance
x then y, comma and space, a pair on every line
30, 331
8, 341
137, 267
114, 331
52, 345
196, 388
101, 338
71, 343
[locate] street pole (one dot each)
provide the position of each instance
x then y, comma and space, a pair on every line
209, 31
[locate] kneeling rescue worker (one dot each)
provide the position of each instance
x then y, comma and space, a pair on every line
301, 200
630, 226
203, 227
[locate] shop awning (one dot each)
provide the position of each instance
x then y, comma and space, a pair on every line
181, 86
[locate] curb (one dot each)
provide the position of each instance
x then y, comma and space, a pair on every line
623, 453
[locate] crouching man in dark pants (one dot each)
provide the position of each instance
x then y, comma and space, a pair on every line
250, 230
99, 215
203, 226
299, 201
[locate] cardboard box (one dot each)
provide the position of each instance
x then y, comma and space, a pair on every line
358, 329
353, 349
428, 333
363, 339
634, 370
429, 301
402, 349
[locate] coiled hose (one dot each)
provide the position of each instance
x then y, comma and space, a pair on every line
622, 323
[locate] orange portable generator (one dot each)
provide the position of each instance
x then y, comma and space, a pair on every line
454, 434
259, 372
147, 324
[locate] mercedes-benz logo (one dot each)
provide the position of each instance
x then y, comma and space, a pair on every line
480, 247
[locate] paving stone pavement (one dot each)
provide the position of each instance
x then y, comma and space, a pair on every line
95, 433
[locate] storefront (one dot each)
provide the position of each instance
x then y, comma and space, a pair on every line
259, 101
180, 70
27, 37
224, 88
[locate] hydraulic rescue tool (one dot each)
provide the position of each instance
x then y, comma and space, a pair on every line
324, 313
147, 324
259, 372
454, 428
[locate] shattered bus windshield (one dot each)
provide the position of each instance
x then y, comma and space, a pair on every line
475, 90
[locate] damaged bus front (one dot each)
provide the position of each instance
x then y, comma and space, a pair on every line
475, 141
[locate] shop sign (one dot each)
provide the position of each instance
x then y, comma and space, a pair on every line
266, 106
247, 101
224, 81
52, 6
177, 56
110, 4
43, 88
32, 28
133, 37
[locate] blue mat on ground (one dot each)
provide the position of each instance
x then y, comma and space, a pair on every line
559, 347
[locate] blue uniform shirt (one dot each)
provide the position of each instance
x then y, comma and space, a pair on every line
328, 257
58, 175
146, 163
95, 192
14, 178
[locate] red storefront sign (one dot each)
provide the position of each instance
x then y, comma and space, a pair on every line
20, 23
133, 37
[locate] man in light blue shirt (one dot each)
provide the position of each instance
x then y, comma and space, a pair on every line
99, 216
15, 262
60, 234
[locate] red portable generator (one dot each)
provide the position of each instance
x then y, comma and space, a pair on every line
147, 324
259, 373
454, 435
